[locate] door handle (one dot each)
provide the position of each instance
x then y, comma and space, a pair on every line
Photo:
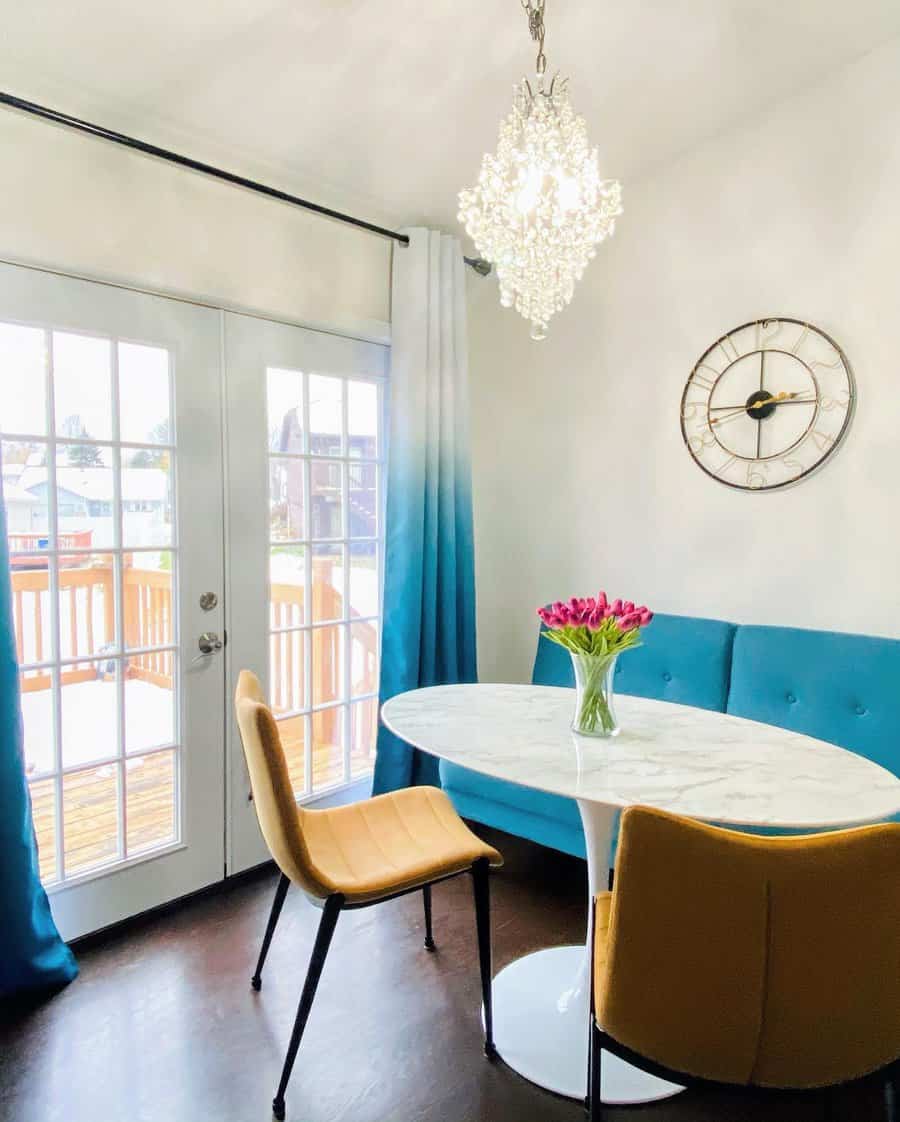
208, 642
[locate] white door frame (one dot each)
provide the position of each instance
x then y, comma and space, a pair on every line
192, 334
250, 345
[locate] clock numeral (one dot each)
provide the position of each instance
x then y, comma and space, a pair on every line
701, 379
726, 345
814, 362
698, 443
689, 412
755, 477
822, 440
795, 466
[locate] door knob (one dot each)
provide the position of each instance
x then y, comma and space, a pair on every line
209, 642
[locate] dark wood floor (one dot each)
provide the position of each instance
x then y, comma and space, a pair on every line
162, 1025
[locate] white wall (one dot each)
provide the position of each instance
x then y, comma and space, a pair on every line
85, 206
581, 476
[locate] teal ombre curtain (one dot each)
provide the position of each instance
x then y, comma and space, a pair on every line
32, 955
429, 574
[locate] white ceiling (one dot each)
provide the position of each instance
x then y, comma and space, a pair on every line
387, 106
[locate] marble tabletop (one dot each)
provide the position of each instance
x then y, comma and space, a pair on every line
696, 762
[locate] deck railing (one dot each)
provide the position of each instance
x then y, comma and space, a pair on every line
287, 655
147, 618
87, 631
35, 547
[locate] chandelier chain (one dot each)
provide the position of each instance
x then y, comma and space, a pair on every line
534, 9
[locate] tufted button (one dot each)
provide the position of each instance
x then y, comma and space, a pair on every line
861, 710
791, 699
667, 677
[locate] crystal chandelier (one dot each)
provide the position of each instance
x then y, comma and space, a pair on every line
540, 206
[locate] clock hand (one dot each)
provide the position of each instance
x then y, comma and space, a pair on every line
782, 398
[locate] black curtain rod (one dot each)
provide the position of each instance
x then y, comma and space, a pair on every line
68, 121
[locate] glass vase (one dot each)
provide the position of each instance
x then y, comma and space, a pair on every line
594, 711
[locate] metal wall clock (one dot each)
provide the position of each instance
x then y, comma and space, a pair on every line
767, 404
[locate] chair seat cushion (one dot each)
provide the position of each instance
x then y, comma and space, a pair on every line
390, 843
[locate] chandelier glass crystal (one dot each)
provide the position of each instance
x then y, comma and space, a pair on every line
540, 208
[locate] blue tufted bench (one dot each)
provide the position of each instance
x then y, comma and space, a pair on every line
838, 687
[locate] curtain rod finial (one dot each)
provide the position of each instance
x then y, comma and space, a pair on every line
481, 267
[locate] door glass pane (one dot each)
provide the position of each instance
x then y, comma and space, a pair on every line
149, 701
287, 584
144, 394
89, 705
82, 386
293, 739
326, 499
43, 815
328, 746
23, 406
148, 605
362, 419
363, 498
150, 801
326, 415
327, 583
365, 585
147, 508
287, 662
26, 499
363, 733
285, 410
327, 664
85, 496
37, 718
363, 658
90, 818
32, 621
87, 604
286, 505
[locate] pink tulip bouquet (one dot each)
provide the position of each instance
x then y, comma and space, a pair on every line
595, 632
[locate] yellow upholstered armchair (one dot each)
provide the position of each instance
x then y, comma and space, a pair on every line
356, 855
768, 962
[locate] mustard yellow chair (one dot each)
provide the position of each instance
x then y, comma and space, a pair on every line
753, 961
356, 855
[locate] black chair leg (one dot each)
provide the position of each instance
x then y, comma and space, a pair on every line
426, 898
890, 1094
280, 893
595, 1100
481, 872
327, 924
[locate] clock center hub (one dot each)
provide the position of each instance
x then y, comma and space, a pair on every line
758, 413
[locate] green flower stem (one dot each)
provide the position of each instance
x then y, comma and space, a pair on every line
594, 712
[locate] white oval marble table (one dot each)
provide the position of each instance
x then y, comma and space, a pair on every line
706, 765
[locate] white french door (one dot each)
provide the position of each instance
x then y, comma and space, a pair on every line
110, 423
305, 438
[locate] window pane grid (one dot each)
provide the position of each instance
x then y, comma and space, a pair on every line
325, 475
85, 666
